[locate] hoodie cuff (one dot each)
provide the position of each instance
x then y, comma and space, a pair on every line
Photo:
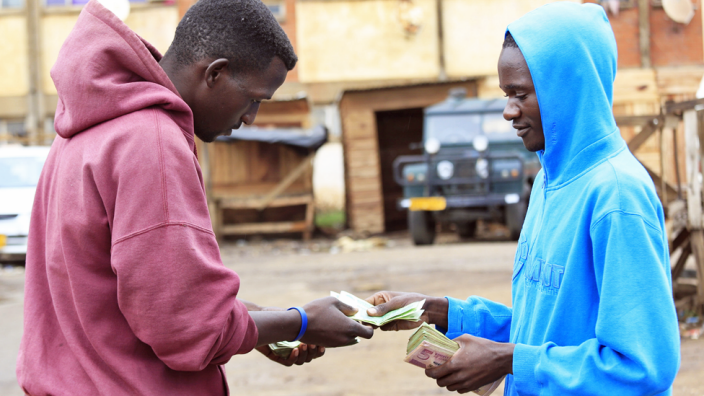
525, 361
243, 334
456, 312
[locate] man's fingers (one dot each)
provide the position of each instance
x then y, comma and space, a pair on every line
346, 309
364, 331
376, 299
439, 372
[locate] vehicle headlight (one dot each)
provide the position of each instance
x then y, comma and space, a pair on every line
482, 168
445, 169
480, 143
432, 146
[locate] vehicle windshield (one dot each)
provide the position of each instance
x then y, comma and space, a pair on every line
20, 171
458, 129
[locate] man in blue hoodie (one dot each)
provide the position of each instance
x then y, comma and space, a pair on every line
591, 292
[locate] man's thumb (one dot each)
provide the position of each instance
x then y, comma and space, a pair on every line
348, 310
379, 310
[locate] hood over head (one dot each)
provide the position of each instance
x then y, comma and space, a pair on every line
102, 74
571, 52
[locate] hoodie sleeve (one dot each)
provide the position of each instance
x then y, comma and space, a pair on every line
172, 288
179, 299
635, 350
478, 317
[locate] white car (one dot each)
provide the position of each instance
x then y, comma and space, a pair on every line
20, 168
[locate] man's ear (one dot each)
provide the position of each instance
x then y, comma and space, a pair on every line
215, 71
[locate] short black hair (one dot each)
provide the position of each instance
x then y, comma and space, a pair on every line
243, 31
509, 42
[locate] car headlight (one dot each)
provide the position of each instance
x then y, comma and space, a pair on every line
432, 146
480, 143
445, 169
482, 168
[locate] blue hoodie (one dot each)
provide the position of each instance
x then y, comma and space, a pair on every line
592, 295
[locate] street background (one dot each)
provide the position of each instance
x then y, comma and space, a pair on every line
285, 273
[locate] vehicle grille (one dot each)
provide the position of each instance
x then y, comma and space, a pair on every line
465, 169
465, 189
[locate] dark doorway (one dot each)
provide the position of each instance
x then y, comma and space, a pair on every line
397, 130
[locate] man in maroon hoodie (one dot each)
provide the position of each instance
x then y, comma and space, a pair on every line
126, 293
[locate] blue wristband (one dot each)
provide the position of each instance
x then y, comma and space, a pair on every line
304, 321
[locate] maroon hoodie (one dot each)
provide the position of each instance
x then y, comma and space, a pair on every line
125, 290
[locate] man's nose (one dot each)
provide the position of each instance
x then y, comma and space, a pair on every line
511, 111
251, 114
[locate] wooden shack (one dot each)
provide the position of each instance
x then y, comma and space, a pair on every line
258, 187
378, 125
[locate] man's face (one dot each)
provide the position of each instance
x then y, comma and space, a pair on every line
522, 107
223, 102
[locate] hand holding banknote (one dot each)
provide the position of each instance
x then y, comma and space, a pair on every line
478, 362
435, 309
298, 355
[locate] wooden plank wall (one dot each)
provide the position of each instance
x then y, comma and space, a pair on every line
365, 201
251, 169
641, 92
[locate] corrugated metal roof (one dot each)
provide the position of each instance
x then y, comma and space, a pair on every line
467, 105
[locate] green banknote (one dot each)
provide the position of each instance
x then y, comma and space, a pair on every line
411, 312
283, 348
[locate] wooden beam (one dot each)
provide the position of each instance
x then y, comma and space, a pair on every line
644, 32
693, 164
681, 261
264, 228
679, 240
671, 191
36, 102
647, 131
639, 120
671, 108
694, 196
234, 203
287, 181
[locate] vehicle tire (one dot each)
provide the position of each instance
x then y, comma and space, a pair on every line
467, 230
515, 215
422, 227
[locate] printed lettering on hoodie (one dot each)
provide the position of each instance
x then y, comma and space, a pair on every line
538, 273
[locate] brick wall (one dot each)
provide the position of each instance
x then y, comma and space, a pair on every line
671, 43
675, 44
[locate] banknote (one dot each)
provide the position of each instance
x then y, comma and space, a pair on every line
428, 348
410, 312
284, 348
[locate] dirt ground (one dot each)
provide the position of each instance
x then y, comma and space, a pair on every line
286, 273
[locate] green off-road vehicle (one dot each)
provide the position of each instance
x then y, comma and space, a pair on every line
473, 167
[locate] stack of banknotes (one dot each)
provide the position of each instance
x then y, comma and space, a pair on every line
410, 312
429, 348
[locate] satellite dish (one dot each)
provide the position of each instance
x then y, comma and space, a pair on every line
121, 8
680, 11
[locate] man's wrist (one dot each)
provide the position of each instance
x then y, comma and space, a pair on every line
506, 356
437, 307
